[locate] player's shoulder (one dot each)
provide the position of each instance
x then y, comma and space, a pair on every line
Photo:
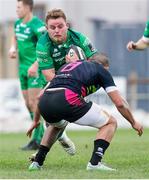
75, 33
44, 39
99, 67
35, 20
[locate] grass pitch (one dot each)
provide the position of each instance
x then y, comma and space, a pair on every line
128, 153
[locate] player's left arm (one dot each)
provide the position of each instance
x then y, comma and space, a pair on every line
142, 43
90, 51
87, 47
121, 104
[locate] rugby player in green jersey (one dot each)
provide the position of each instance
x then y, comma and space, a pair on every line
142, 43
52, 47
28, 29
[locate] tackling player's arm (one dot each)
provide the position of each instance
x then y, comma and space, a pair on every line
123, 107
120, 103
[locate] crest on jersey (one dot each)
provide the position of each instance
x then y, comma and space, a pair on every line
76, 50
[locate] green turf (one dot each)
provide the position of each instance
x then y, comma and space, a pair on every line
128, 153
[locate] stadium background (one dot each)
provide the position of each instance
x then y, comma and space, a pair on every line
110, 24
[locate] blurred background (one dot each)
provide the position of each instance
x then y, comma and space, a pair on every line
109, 24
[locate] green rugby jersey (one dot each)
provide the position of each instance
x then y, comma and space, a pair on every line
52, 55
146, 33
27, 36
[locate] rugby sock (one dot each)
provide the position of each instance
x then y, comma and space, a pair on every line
41, 155
100, 147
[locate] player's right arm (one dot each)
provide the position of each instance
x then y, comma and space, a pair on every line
13, 48
44, 59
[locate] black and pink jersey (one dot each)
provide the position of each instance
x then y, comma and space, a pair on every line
83, 78
63, 98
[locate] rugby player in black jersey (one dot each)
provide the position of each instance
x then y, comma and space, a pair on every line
63, 102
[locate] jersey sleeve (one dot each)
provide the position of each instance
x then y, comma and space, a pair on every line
43, 56
146, 33
87, 46
106, 80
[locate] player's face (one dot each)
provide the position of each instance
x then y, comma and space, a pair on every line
57, 29
22, 10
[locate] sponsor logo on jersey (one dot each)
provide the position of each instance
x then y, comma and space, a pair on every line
41, 29
21, 37
59, 59
56, 54
27, 31
35, 82
55, 50
42, 60
17, 28
64, 75
88, 43
59, 46
23, 25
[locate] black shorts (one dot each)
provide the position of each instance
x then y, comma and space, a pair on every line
57, 104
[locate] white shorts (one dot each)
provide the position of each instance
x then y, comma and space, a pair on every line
95, 117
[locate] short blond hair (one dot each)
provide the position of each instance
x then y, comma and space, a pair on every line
54, 14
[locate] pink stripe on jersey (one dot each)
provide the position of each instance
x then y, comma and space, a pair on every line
72, 98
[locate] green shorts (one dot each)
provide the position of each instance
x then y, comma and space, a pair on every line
28, 82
